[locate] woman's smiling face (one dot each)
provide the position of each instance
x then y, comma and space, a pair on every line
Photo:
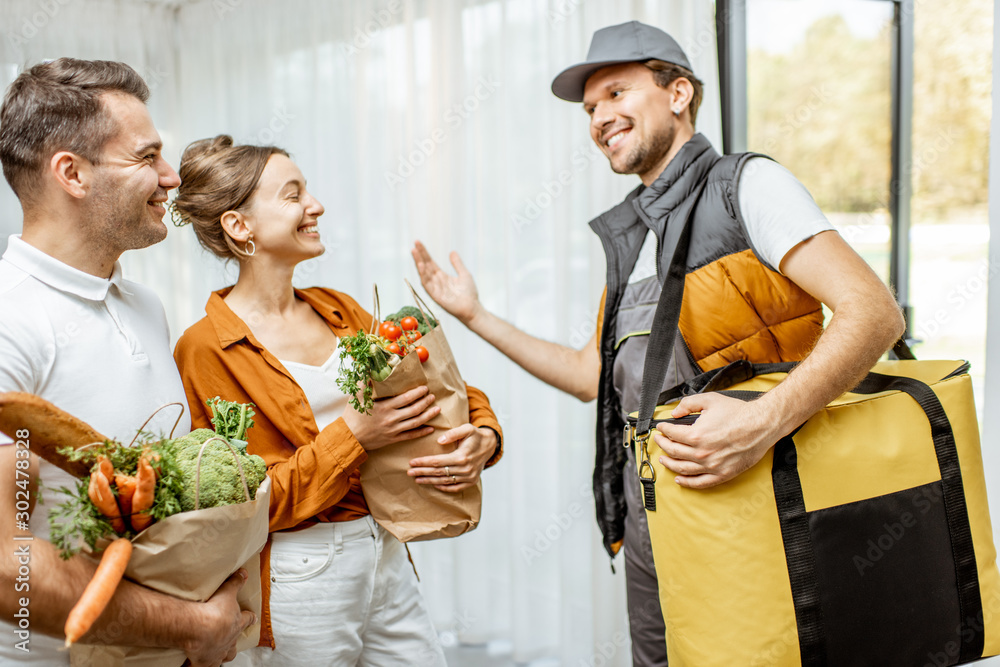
283, 215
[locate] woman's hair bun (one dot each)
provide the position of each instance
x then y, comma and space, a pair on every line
216, 177
206, 147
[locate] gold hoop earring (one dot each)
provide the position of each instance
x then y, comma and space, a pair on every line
250, 247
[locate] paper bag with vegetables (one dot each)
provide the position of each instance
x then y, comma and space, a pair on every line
408, 350
178, 515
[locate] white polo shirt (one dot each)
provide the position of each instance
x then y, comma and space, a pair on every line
98, 349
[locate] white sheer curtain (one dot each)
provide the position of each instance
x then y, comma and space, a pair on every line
425, 120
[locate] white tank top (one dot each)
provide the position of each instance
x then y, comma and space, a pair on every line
320, 386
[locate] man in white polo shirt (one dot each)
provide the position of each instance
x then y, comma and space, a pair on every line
79, 149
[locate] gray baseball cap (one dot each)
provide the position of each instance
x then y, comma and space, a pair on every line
624, 43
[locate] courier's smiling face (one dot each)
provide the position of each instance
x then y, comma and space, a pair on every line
630, 119
283, 215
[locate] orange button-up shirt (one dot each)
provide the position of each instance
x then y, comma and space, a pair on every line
315, 474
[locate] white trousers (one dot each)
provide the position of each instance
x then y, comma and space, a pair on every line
345, 594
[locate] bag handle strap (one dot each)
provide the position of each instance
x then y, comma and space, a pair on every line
720, 379
421, 304
376, 309
741, 370
663, 331
155, 412
197, 473
901, 350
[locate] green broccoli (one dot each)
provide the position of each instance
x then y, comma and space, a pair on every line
194, 438
423, 326
220, 478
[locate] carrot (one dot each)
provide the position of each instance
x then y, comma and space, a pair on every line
106, 467
153, 458
142, 501
100, 494
126, 489
99, 591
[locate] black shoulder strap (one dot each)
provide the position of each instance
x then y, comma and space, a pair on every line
901, 350
663, 331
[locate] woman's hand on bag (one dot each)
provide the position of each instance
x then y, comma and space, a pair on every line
395, 419
729, 437
460, 469
456, 294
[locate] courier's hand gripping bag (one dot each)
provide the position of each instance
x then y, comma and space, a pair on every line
863, 538
410, 511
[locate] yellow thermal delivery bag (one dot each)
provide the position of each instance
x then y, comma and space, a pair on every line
863, 538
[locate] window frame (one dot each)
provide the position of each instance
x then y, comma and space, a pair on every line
731, 29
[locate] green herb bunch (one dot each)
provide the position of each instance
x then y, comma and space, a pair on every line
231, 420
363, 361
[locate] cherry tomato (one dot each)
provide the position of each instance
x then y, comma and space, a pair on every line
383, 329
393, 348
422, 353
409, 323
393, 332
415, 335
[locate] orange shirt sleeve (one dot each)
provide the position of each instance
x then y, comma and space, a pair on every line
600, 318
307, 479
315, 478
482, 415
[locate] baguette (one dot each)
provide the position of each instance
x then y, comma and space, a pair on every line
49, 429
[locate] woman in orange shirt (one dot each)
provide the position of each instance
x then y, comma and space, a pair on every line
337, 587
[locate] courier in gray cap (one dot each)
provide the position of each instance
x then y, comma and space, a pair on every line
761, 260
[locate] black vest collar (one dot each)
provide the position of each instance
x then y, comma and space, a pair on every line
677, 182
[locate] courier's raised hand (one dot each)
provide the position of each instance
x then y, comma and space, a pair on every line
729, 437
456, 294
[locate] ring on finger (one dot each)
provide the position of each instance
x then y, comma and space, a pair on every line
447, 472
454, 480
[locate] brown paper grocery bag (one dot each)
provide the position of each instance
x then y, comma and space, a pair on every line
413, 512
189, 555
